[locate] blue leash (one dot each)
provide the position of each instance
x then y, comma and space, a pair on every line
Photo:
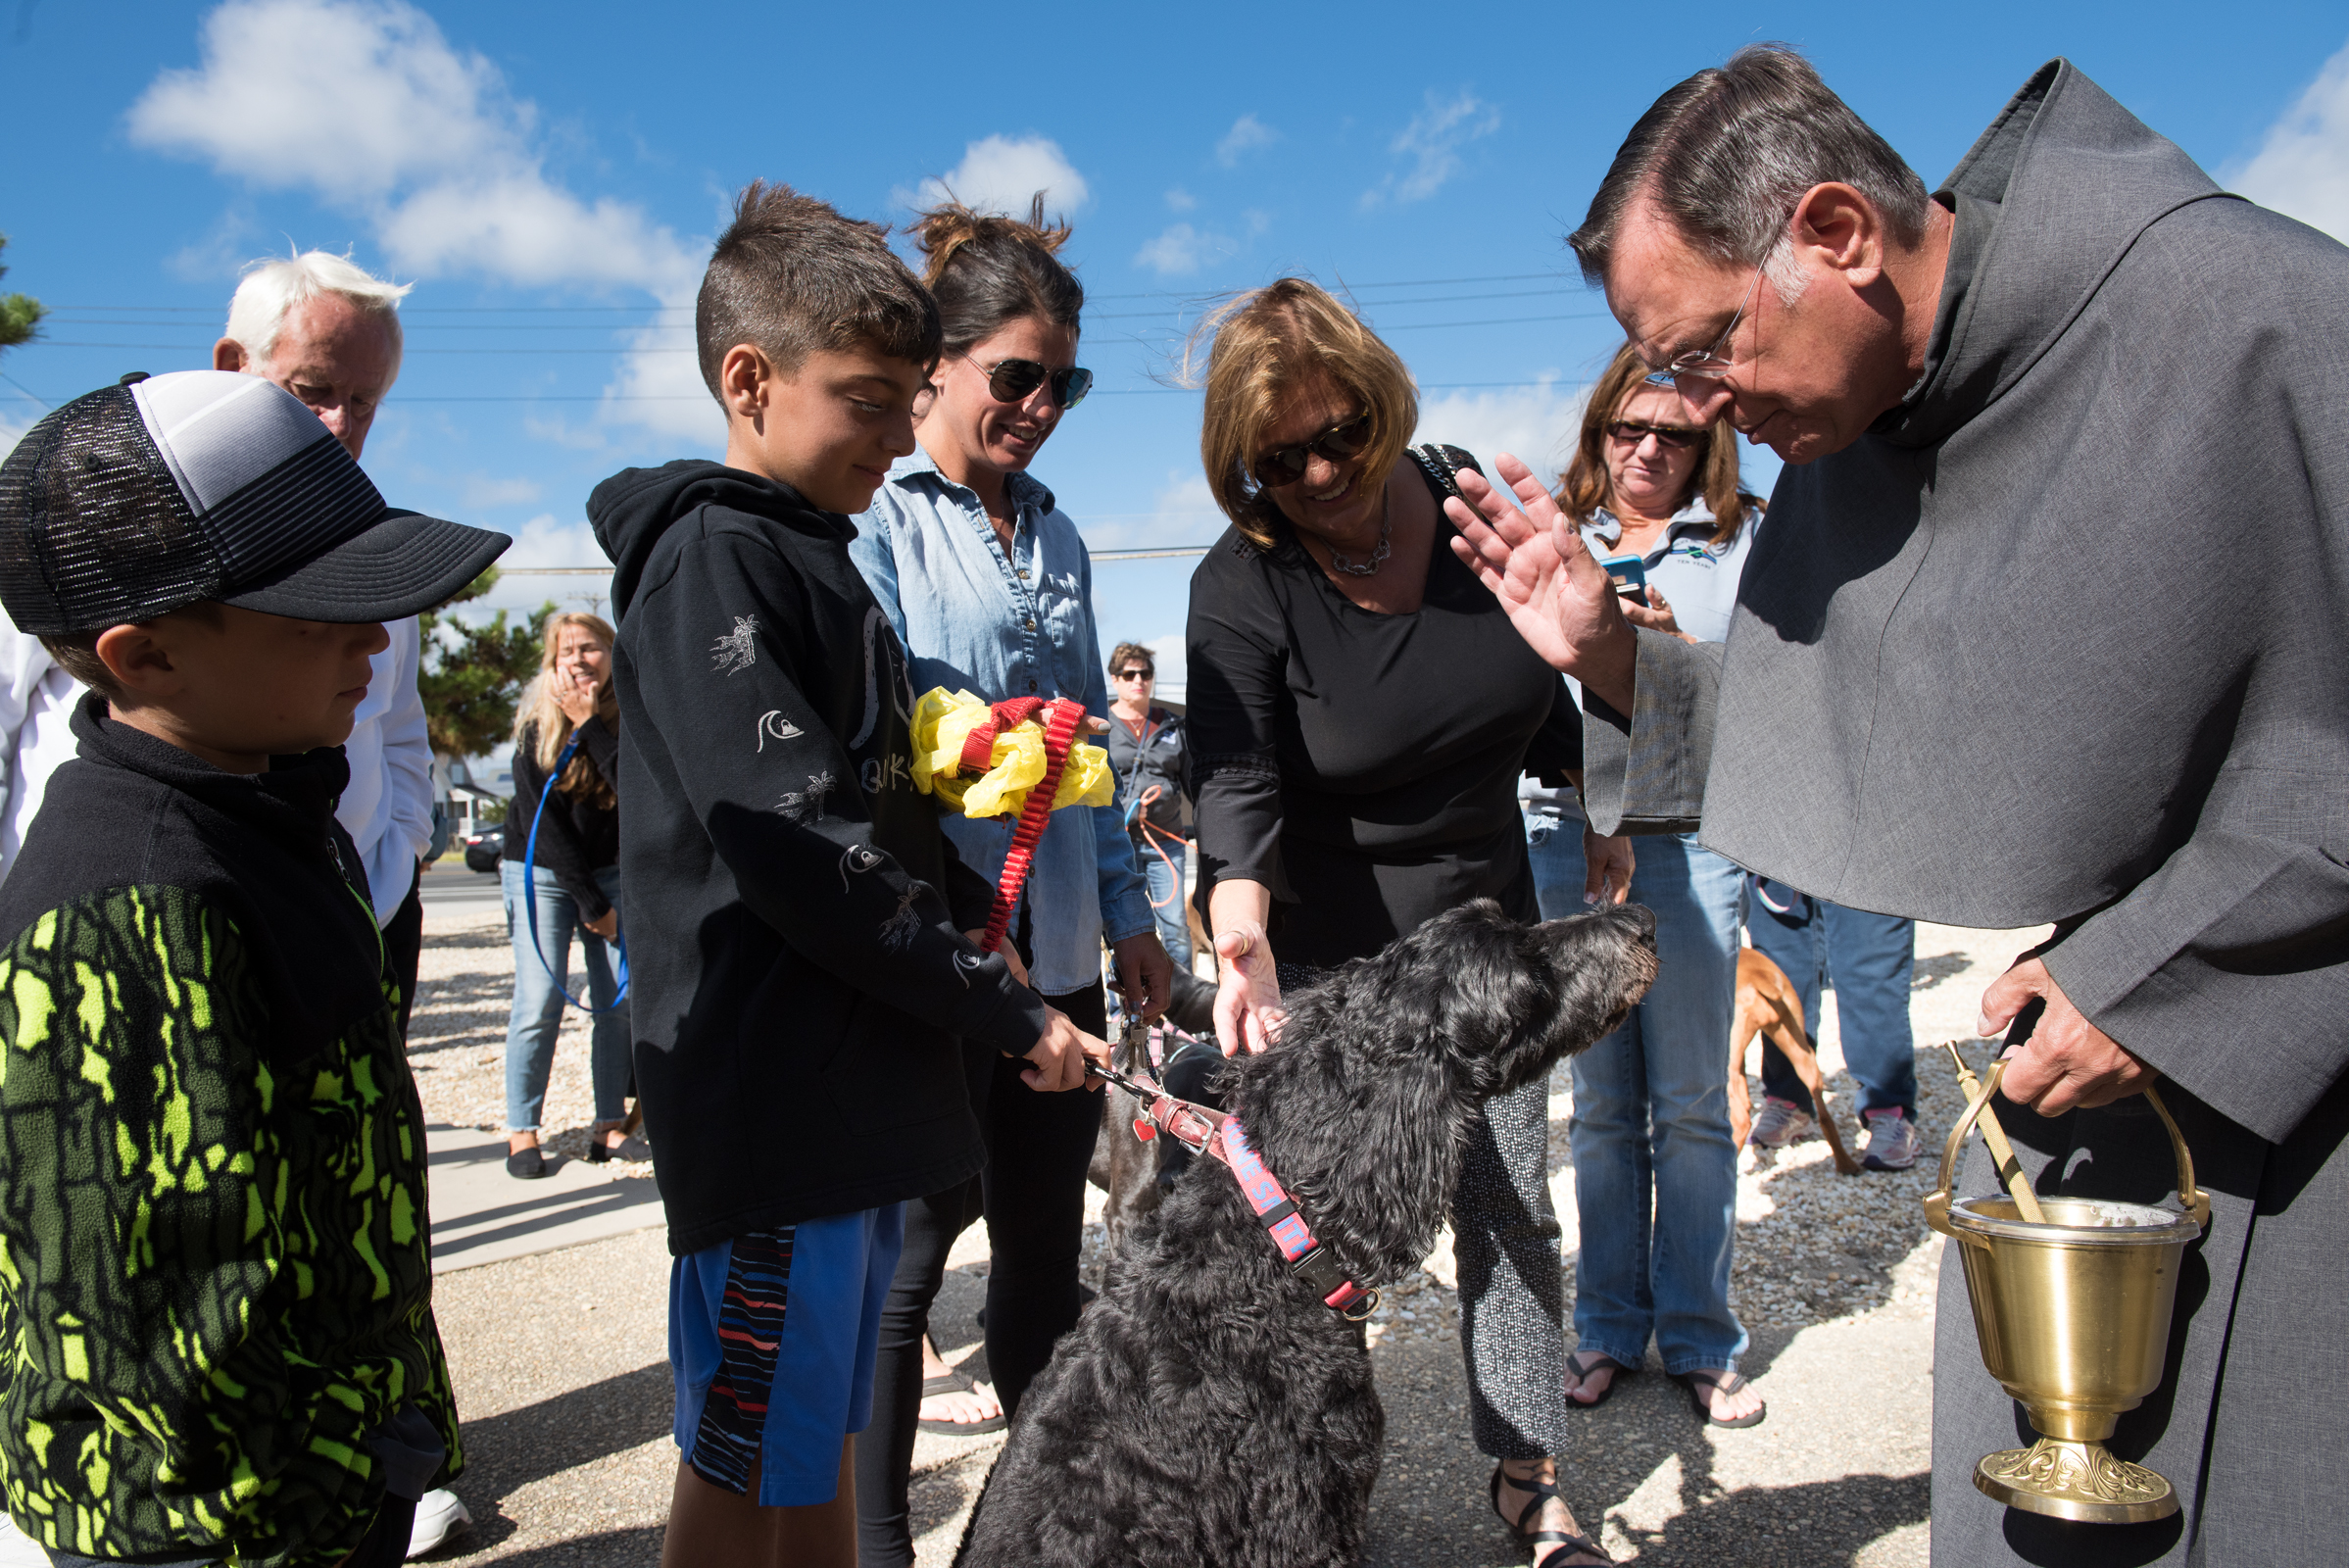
620, 942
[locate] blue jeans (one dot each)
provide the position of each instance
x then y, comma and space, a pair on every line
538, 1002
1871, 959
1166, 892
1655, 1174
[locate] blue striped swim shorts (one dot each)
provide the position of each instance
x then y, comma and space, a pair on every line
771, 1339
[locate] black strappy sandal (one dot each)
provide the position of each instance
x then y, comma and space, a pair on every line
1547, 1544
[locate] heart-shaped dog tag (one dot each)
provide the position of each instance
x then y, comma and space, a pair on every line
1144, 1129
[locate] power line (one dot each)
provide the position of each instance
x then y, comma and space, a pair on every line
618, 348
1148, 294
65, 319
1161, 552
700, 397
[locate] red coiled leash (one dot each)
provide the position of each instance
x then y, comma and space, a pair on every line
1061, 720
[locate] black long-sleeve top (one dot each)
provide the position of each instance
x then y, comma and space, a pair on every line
580, 838
1362, 766
801, 988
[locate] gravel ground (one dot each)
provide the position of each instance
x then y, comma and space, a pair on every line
457, 1038
560, 1366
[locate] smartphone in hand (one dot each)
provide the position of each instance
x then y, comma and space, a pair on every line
1630, 575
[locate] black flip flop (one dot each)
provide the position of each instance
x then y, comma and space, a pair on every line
1574, 1364
1705, 1381
956, 1383
1547, 1544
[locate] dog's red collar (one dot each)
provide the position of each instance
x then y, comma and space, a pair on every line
1213, 1133
1281, 1218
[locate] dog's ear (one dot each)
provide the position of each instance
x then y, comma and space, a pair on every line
1498, 996
1360, 1107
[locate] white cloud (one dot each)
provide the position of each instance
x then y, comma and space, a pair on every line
1002, 175
1247, 133
2302, 166
1536, 423
1179, 200
548, 541
664, 370
480, 490
1183, 512
365, 104
1430, 147
1179, 249
1183, 249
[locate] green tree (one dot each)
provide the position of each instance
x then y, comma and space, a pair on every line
19, 313
473, 674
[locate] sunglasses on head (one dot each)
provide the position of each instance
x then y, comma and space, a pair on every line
1015, 380
1632, 432
1287, 464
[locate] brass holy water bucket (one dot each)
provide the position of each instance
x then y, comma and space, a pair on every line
2074, 1319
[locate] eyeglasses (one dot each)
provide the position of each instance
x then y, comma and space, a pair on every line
1708, 364
1015, 380
1287, 464
1135, 674
1630, 432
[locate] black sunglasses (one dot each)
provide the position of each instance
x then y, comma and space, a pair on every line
1677, 436
1135, 674
1287, 464
1015, 380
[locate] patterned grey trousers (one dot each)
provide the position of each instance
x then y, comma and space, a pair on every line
1512, 1298
1512, 1302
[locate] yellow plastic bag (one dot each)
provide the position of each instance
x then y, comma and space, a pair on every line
943, 721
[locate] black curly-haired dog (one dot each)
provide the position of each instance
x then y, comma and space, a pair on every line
1209, 1408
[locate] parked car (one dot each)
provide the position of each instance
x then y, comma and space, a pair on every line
484, 849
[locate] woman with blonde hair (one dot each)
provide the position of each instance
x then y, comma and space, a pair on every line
575, 883
1361, 709
1655, 1170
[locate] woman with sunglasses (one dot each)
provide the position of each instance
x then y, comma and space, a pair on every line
1359, 713
991, 591
1659, 497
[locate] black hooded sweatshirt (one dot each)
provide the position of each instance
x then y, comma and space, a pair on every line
795, 915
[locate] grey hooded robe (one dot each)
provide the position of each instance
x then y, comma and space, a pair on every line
2063, 639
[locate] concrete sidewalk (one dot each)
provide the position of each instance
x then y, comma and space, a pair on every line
482, 1215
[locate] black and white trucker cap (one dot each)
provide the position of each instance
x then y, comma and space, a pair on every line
133, 501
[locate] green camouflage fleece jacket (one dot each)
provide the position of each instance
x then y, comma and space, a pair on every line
215, 1275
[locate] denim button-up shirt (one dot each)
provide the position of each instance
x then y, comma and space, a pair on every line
972, 621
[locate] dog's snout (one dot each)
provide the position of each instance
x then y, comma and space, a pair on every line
1643, 920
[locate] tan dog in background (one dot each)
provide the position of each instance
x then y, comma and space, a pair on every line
1768, 1005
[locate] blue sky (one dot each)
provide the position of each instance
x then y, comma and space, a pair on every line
549, 176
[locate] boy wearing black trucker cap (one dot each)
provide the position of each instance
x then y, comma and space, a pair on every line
214, 1277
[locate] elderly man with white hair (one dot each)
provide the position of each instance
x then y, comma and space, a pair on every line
330, 334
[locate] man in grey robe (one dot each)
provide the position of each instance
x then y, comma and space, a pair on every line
2046, 624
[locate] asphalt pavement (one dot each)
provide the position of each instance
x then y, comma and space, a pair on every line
450, 889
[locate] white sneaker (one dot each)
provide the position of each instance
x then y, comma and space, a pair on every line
439, 1514
1891, 1141
1781, 1122
17, 1550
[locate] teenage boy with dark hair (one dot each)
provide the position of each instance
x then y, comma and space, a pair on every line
801, 966
216, 1284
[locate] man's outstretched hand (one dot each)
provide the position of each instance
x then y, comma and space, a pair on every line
1559, 599
2068, 1063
